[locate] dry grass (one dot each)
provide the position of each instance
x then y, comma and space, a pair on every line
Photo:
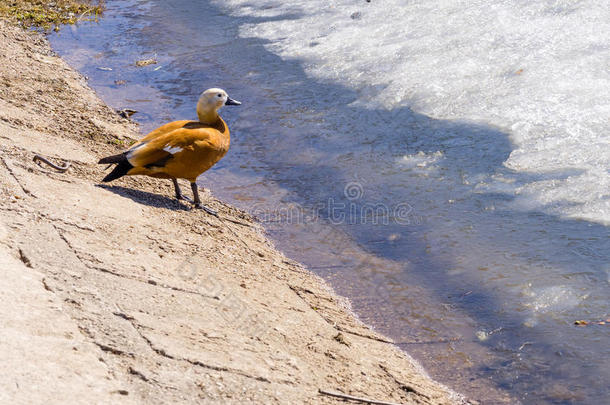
49, 14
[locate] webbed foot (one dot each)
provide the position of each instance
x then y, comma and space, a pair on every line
183, 198
206, 209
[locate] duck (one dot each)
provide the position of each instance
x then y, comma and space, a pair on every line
180, 149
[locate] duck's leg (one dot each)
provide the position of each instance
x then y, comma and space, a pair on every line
197, 201
179, 195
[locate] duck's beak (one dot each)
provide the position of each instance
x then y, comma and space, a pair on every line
230, 101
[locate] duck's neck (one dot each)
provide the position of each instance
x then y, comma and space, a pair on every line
207, 116
207, 112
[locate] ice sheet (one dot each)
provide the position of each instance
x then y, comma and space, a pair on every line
539, 70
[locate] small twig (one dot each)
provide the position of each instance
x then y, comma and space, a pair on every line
234, 221
431, 342
61, 169
83, 14
24, 258
352, 398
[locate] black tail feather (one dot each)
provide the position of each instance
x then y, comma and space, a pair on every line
114, 158
119, 171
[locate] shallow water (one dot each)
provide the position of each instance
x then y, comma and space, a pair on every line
418, 220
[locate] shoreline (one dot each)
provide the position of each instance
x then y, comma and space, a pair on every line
138, 298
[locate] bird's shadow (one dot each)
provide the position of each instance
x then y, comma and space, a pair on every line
147, 198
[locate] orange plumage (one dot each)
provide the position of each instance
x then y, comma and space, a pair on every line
179, 149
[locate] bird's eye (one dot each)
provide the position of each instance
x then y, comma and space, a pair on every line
220, 95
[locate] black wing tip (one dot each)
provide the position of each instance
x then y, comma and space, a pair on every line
120, 170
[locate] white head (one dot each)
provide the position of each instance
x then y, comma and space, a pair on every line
209, 103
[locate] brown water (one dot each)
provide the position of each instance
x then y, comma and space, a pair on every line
483, 296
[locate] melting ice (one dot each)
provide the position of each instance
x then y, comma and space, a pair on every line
538, 70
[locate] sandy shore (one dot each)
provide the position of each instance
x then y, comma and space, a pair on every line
122, 294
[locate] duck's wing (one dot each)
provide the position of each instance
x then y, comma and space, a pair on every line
160, 149
162, 130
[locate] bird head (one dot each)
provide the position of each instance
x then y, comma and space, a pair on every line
212, 99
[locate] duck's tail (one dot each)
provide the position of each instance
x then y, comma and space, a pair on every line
113, 159
121, 169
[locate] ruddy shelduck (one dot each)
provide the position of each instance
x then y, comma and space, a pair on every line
180, 149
